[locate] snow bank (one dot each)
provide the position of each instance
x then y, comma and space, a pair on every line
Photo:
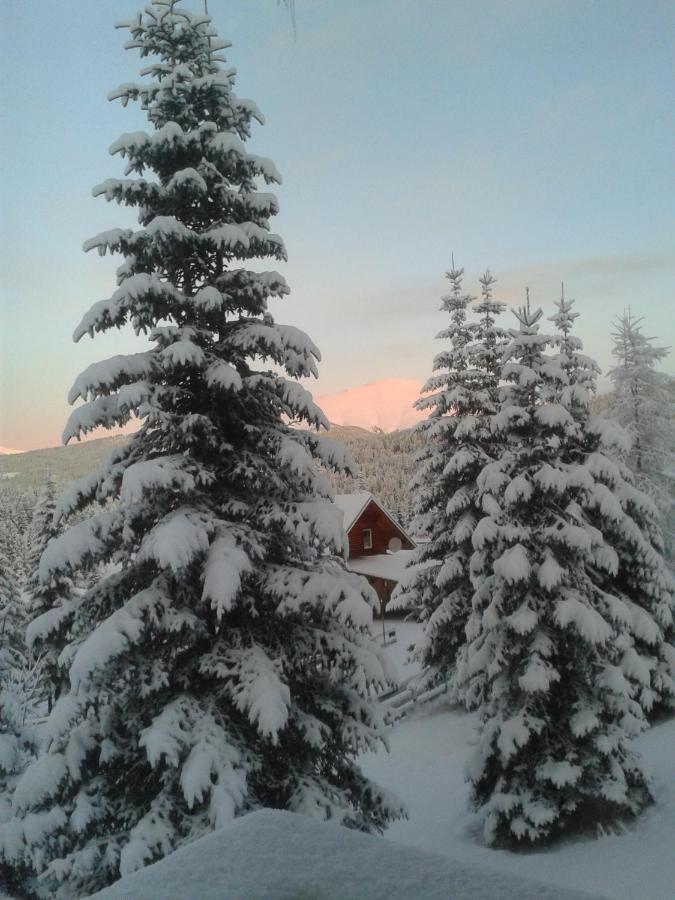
391, 566
272, 854
426, 767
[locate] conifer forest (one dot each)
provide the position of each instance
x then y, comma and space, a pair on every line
194, 682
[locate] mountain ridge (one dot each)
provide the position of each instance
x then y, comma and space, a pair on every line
385, 405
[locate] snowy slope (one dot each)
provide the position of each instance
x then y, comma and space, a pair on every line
426, 769
386, 404
270, 855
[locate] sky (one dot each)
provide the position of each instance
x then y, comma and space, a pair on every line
533, 137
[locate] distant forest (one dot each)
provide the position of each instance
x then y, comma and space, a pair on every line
383, 462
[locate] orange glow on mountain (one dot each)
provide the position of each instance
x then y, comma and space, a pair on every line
386, 404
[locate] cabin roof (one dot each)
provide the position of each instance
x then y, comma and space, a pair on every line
352, 505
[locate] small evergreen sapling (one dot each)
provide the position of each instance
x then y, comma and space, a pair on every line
224, 662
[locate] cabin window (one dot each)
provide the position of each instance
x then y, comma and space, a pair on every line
367, 539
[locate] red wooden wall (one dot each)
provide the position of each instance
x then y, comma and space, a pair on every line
383, 530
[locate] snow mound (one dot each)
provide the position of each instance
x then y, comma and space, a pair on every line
270, 855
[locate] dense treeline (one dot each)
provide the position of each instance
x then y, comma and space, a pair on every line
382, 461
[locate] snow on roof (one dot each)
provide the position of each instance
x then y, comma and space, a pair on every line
390, 566
352, 505
276, 854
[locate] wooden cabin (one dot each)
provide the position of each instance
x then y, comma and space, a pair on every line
379, 546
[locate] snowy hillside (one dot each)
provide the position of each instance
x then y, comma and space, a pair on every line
273, 854
384, 461
66, 464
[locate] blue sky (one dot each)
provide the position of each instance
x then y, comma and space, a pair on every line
531, 137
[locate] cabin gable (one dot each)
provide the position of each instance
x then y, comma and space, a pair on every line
372, 531
379, 548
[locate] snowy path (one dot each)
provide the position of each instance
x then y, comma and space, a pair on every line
425, 768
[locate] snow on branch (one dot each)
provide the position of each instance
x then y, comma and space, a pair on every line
105, 376
83, 541
113, 637
138, 289
258, 690
226, 563
175, 541
587, 621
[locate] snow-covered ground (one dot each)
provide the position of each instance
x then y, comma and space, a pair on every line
438, 853
426, 769
407, 633
273, 855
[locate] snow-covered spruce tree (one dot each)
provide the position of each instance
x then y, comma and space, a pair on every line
490, 341
16, 747
643, 405
226, 663
16, 735
437, 584
45, 594
487, 352
560, 658
631, 533
579, 370
15, 516
12, 612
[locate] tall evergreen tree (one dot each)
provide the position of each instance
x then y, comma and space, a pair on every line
17, 745
643, 405
633, 533
563, 657
444, 484
224, 663
17, 740
487, 351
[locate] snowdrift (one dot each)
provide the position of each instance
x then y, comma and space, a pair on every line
274, 855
